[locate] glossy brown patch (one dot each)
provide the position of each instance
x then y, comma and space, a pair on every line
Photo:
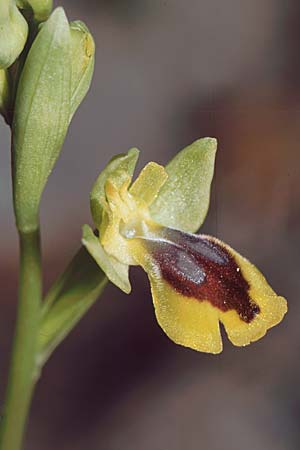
198, 267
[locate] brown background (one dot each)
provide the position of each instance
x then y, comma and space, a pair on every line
168, 72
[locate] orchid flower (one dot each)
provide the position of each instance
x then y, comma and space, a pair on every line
197, 281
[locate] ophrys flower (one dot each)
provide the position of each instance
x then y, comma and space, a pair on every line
197, 281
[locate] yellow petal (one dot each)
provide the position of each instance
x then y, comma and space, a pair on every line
148, 184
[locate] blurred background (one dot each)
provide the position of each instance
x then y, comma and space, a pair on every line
167, 73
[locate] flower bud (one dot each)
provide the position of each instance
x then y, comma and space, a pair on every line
41, 8
41, 118
13, 33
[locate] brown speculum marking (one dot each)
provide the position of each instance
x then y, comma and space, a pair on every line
198, 267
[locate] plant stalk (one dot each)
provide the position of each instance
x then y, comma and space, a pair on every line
22, 373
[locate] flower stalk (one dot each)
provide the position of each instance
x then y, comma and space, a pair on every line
22, 374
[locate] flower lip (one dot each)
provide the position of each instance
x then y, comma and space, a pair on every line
200, 268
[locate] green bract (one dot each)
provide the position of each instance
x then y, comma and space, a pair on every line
13, 33
41, 8
82, 58
55, 78
41, 119
67, 301
183, 200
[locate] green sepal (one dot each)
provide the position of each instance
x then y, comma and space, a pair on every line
41, 117
67, 301
41, 9
115, 271
13, 33
82, 59
183, 200
118, 168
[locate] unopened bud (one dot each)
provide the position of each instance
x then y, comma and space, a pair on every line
41, 117
41, 8
13, 33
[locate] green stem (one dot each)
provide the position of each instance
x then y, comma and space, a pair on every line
22, 374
